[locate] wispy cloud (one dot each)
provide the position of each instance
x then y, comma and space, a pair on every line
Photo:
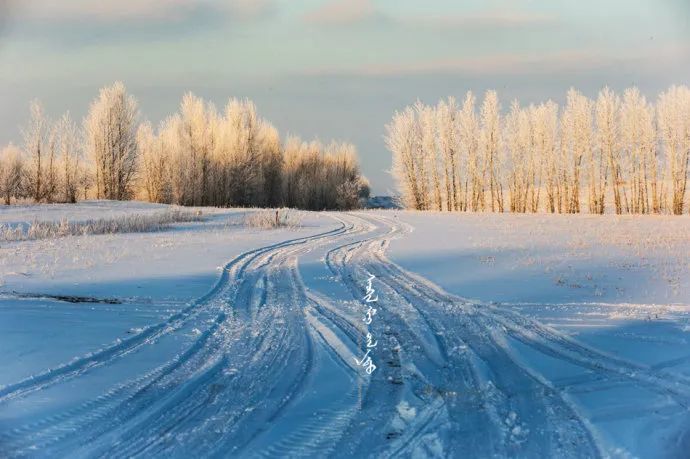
519, 64
349, 12
342, 12
484, 20
80, 23
110, 11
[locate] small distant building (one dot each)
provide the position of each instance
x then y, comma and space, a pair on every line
383, 202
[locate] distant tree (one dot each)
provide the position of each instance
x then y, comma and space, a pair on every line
447, 121
469, 138
271, 166
518, 141
70, 159
195, 146
608, 139
595, 163
673, 112
317, 177
576, 144
155, 163
427, 127
545, 138
543, 127
196, 157
37, 139
590, 148
491, 146
111, 141
292, 151
638, 143
241, 133
403, 138
11, 173
422, 156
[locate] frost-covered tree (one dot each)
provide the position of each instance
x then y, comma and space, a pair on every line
343, 179
156, 164
317, 177
609, 150
518, 141
292, 152
469, 139
544, 128
200, 157
673, 114
403, 140
576, 145
447, 121
11, 173
544, 120
111, 141
241, 130
427, 127
38, 145
607, 111
71, 175
193, 149
271, 164
639, 153
491, 146
196, 157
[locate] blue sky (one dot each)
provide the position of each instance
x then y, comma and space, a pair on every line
332, 68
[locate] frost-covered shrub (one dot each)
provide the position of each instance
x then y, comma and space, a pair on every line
274, 218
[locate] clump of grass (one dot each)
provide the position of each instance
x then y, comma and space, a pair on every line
274, 218
135, 223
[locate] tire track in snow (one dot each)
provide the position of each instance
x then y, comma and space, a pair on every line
509, 415
447, 379
309, 423
400, 348
142, 384
149, 334
258, 382
503, 323
553, 343
560, 346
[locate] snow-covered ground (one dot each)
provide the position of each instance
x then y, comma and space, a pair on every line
495, 335
596, 307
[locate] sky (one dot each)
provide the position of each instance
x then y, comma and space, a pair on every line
332, 69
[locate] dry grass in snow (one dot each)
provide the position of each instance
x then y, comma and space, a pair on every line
270, 218
134, 223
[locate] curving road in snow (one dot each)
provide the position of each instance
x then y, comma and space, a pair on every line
265, 365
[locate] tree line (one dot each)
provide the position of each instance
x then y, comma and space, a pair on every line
196, 157
617, 153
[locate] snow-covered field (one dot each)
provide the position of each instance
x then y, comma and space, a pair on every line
495, 335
